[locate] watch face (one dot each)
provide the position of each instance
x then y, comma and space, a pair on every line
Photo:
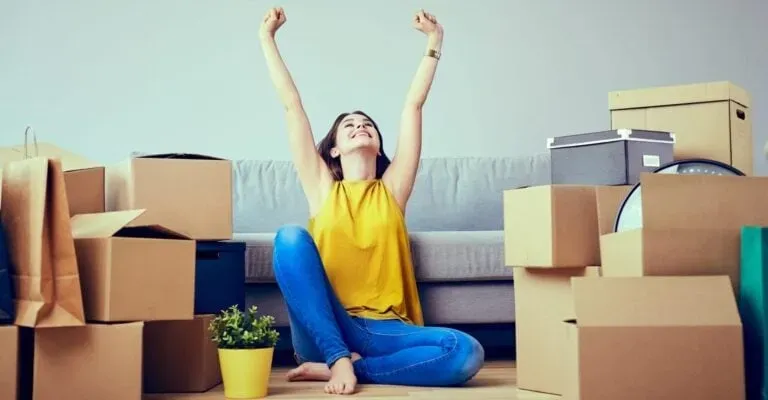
630, 215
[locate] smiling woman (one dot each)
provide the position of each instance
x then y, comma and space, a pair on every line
348, 278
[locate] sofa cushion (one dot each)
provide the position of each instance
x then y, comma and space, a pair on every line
438, 256
450, 194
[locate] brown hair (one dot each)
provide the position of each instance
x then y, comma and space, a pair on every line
329, 141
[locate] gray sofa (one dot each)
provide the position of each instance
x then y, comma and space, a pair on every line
455, 220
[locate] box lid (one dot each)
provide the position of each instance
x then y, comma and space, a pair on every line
614, 135
655, 301
115, 223
702, 201
679, 94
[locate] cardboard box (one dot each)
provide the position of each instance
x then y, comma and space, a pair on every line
96, 361
753, 307
551, 226
136, 273
608, 200
543, 300
83, 178
691, 226
191, 194
9, 361
710, 120
654, 338
168, 345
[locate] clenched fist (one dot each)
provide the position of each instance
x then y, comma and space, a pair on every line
273, 20
427, 23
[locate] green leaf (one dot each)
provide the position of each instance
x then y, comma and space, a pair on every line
233, 329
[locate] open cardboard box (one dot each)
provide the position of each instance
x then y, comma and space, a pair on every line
137, 273
189, 193
654, 338
83, 178
691, 226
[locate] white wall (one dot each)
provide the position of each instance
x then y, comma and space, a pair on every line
107, 77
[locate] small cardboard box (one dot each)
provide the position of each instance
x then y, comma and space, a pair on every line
95, 361
191, 194
691, 226
133, 273
83, 178
710, 120
543, 300
608, 200
654, 338
551, 226
171, 344
9, 361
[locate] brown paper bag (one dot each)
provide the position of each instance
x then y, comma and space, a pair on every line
36, 218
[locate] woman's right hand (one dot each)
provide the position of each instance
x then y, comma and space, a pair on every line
273, 20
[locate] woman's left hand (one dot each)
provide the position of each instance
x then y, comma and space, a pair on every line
427, 23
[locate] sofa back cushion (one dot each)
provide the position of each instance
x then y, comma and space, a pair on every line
450, 194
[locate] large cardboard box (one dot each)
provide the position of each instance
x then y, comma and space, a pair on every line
9, 357
136, 273
83, 178
654, 338
168, 345
691, 226
710, 120
191, 194
96, 361
608, 199
551, 226
543, 300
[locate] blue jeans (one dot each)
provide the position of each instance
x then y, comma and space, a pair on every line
393, 352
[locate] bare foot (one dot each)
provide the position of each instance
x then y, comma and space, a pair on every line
343, 379
310, 371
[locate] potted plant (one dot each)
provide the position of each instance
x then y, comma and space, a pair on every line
246, 345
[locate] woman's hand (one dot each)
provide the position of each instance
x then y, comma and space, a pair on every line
273, 20
427, 23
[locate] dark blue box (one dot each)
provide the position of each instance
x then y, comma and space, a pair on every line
219, 276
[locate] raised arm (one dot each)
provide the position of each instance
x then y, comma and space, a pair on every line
312, 171
402, 172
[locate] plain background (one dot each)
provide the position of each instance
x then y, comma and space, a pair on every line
106, 77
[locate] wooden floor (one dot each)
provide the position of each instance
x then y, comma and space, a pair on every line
495, 381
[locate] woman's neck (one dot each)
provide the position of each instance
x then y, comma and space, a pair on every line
358, 167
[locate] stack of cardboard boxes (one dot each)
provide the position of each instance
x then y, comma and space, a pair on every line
136, 228
649, 313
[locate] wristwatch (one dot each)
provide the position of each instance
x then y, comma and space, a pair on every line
434, 53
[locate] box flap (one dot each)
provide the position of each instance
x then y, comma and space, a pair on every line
102, 225
180, 156
703, 201
679, 94
655, 301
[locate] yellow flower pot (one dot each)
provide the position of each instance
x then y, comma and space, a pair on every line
246, 372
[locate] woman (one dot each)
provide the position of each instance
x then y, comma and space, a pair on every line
348, 279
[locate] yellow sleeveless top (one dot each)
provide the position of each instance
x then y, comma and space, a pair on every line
362, 239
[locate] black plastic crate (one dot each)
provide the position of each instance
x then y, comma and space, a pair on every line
219, 276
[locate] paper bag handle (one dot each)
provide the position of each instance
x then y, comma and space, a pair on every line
34, 140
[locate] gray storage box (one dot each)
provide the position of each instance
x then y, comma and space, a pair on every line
614, 157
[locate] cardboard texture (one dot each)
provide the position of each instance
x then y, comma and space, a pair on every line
691, 226
543, 300
753, 307
133, 273
96, 361
83, 178
654, 338
180, 357
191, 194
710, 120
551, 226
36, 217
608, 200
9, 368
